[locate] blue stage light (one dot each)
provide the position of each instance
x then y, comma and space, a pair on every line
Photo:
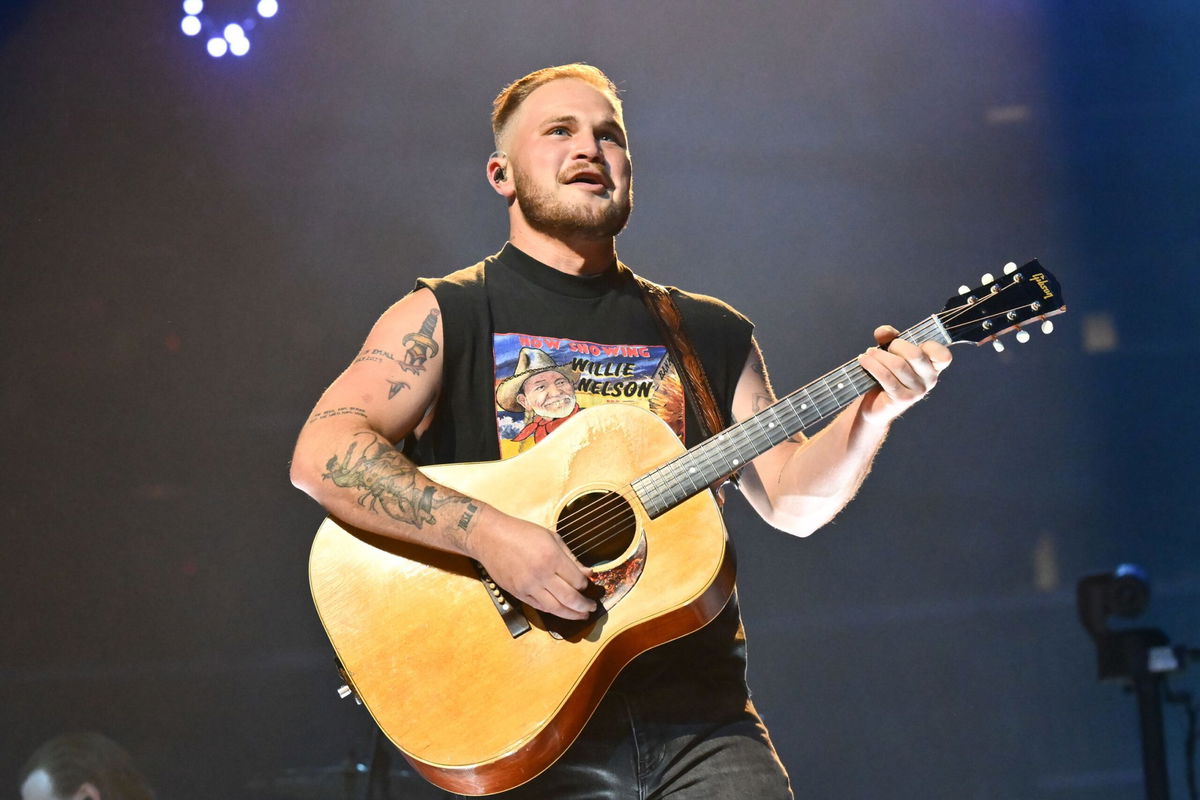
230, 38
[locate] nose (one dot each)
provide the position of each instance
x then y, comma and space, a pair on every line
586, 146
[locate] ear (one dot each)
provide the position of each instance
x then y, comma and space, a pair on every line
87, 791
498, 174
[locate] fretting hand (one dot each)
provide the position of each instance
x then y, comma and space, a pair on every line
906, 372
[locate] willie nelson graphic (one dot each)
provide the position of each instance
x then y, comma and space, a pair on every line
543, 390
541, 381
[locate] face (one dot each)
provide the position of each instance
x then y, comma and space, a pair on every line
566, 145
548, 394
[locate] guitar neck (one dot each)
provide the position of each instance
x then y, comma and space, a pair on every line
720, 456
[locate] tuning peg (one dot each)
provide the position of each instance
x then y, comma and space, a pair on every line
964, 289
987, 278
1047, 326
998, 345
1010, 268
1022, 336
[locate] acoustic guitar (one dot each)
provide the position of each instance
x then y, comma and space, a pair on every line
481, 693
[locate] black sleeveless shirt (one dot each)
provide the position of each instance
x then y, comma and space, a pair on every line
510, 312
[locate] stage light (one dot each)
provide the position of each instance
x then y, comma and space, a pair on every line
220, 37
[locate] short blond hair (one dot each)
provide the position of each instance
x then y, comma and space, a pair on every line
511, 96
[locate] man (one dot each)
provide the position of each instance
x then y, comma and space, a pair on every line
82, 766
678, 719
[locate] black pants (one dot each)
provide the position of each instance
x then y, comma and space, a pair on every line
635, 749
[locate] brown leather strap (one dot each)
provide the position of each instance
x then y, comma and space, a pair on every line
670, 327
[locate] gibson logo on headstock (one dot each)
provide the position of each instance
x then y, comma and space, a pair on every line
1044, 284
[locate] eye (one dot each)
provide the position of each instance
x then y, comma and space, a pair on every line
614, 138
559, 131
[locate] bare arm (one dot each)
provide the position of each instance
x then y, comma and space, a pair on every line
345, 460
801, 484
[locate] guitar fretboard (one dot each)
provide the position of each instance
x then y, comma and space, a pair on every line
720, 456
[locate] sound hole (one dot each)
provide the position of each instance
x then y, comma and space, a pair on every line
597, 526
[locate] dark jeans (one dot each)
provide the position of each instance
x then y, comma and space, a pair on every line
633, 750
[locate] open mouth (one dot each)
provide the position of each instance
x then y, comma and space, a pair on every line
588, 179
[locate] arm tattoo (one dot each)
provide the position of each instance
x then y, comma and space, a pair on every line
465, 522
421, 348
336, 412
387, 482
374, 355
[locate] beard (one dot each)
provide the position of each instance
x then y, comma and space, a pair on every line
550, 215
554, 407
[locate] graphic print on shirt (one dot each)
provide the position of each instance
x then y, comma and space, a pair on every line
542, 381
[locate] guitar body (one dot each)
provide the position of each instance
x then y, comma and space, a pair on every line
475, 709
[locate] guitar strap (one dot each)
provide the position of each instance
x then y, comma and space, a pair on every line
697, 388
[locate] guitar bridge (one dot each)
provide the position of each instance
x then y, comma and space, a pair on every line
510, 612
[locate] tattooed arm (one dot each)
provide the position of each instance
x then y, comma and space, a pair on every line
345, 460
801, 484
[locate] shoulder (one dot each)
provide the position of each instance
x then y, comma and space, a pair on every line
702, 310
710, 311
464, 279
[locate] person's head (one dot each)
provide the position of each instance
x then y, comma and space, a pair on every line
548, 394
512, 96
82, 766
538, 385
562, 158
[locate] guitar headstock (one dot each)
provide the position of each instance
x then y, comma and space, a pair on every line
1021, 295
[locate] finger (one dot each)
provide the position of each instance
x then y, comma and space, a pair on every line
895, 374
561, 600
579, 576
923, 366
884, 334
920, 361
545, 601
565, 594
939, 355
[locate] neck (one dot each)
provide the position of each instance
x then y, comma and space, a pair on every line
572, 256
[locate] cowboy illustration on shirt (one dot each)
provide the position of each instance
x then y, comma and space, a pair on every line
543, 389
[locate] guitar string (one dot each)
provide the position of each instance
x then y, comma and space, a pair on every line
589, 529
599, 519
617, 502
592, 526
743, 438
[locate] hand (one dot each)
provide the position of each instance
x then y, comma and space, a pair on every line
533, 564
906, 373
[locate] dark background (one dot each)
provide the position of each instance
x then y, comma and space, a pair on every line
193, 247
